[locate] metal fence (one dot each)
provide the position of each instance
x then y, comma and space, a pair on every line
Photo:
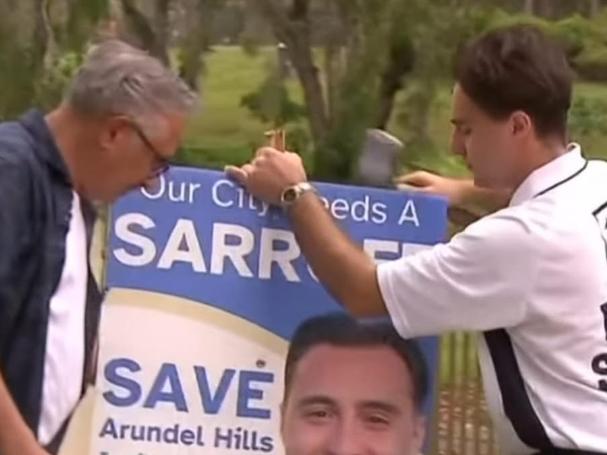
462, 424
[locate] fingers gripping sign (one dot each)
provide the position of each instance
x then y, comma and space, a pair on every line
269, 173
277, 139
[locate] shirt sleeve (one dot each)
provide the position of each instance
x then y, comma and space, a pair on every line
479, 281
15, 186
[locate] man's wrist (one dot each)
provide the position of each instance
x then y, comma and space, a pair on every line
303, 205
291, 194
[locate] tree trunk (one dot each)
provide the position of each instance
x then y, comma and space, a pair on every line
293, 30
300, 55
161, 28
546, 9
401, 60
595, 8
149, 38
529, 7
43, 37
196, 41
331, 77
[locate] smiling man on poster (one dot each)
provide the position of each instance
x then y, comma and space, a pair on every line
333, 402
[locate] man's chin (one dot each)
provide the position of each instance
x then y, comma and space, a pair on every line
108, 199
483, 182
480, 181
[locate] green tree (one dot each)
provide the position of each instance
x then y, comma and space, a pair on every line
367, 52
40, 44
162, 25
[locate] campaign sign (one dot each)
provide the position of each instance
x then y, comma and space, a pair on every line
206, 286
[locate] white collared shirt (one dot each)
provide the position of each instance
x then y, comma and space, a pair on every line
533, 275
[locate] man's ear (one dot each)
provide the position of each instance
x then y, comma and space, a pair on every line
522, 125
114, 131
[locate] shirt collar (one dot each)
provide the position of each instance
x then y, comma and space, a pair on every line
551, 174
46, 147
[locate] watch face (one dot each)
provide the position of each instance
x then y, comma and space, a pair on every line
290, 195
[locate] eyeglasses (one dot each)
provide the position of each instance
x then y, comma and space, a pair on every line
162, 163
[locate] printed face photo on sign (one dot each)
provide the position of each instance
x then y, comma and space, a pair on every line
352, 387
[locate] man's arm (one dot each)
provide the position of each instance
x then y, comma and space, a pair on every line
16, 438
459, 192
342, 266
478, 281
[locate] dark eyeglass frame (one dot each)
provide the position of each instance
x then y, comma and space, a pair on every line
163, 163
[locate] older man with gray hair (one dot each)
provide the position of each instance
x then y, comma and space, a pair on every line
120, 123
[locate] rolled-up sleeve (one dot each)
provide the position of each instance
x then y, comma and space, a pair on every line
480, 280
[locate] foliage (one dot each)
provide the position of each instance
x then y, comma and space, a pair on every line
367, 56
357, 91
420, 101
588, 115
271, 102
584, 40
75, 30
38, 63
51, 86
591, 63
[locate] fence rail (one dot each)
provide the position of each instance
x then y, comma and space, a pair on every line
462, 423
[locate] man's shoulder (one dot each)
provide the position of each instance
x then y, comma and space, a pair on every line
17, 150
515, 234
572, 204
14, 136
19, 163
598, 164
507, 233
560, 220
597, 175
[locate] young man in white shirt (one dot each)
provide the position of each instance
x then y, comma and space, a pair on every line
530, 278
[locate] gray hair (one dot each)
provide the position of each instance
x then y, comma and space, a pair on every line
117, 78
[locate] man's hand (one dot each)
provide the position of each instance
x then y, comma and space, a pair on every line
456, 191
28, 447
462, 194
269, 173
15, 437
32, 449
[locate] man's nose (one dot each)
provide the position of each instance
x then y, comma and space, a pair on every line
151, 183
347, 439
458, 147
